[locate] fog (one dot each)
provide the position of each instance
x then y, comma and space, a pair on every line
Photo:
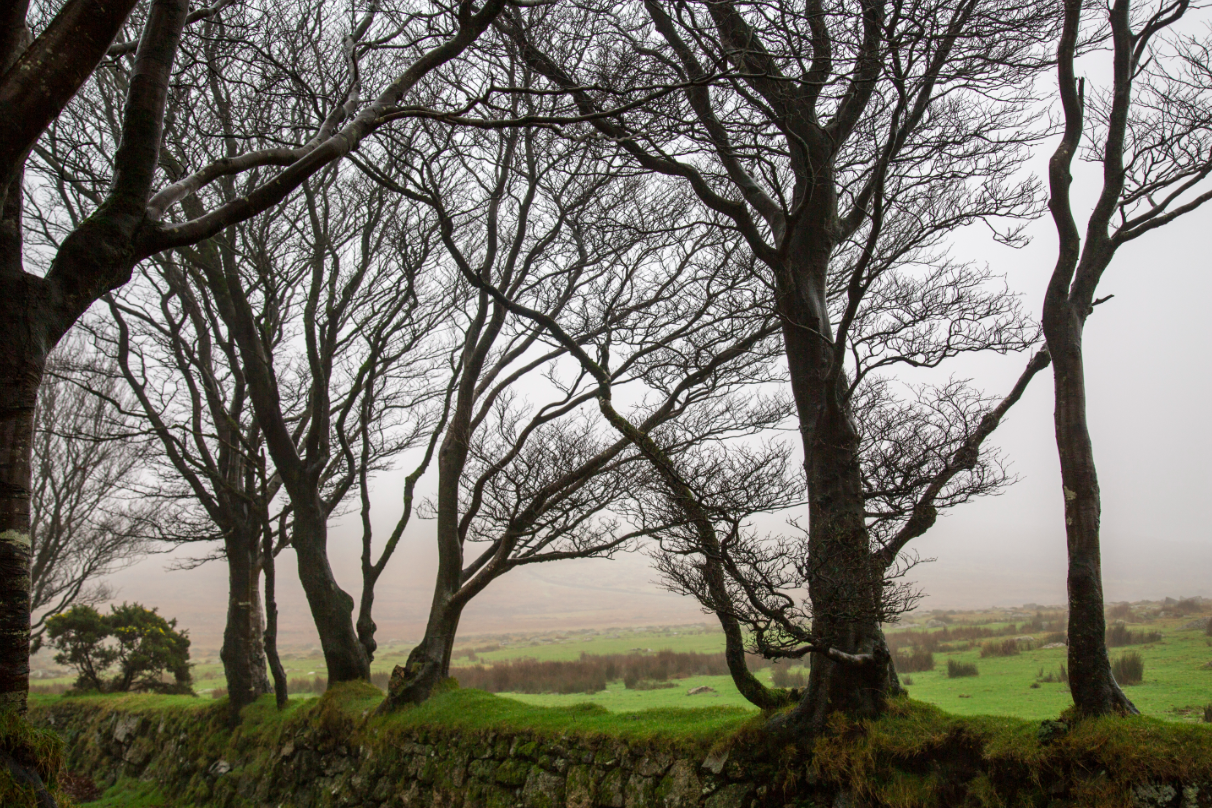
1148, 371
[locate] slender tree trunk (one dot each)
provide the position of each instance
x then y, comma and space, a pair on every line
331, 606
1095, 691
366, 625
243, 652
270, 635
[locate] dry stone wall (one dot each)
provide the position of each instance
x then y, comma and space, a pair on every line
326, 760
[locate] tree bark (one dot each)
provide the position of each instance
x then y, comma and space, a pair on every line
1095, 691
270, 635
331, 607
22, 359
844, 577
428, 663
243, 652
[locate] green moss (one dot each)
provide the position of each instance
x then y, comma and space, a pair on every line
38, 750
477, 710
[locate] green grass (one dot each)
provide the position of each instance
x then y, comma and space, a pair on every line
1176, 686
477, 710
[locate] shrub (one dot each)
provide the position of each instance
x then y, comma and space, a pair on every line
907, 681
1003, 648
915, 661
957, 669
1129, 669
1119, 635
145, 648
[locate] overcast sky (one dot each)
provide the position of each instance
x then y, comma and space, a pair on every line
1148, 371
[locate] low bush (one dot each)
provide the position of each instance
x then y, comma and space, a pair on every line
907, 680
1002, 648
915, 661
957, 669
1120, 635
1129, 668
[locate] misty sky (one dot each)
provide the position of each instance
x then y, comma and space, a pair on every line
1148, 372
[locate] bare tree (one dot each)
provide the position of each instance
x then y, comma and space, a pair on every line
535, 222
812, 131
87, 517
134, 220
1150, 134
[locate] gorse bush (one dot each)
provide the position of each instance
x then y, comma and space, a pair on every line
1129, 668
145, 649
1120, 635
1002, 648
915, 661
957, 669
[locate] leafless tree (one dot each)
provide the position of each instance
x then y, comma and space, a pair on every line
87, 518
811, 131
536, 222
1150, 131
139, 214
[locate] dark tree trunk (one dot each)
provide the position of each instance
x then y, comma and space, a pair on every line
243, 651
428, 663
24, 346
21, 366
844, 578
331, 606
1095, 691
270, 635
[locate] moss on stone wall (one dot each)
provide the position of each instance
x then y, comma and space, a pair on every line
468, 749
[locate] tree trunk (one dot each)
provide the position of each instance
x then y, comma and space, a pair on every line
243, 652
270, 636
428, 664
366, 626
844, 578
331, 606
23, 352
1095, 691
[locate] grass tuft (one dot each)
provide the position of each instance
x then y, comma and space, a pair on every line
1129, 668
957, 669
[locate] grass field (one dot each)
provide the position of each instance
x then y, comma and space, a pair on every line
1177, 682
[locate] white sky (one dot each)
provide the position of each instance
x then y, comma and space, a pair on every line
1148, 375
